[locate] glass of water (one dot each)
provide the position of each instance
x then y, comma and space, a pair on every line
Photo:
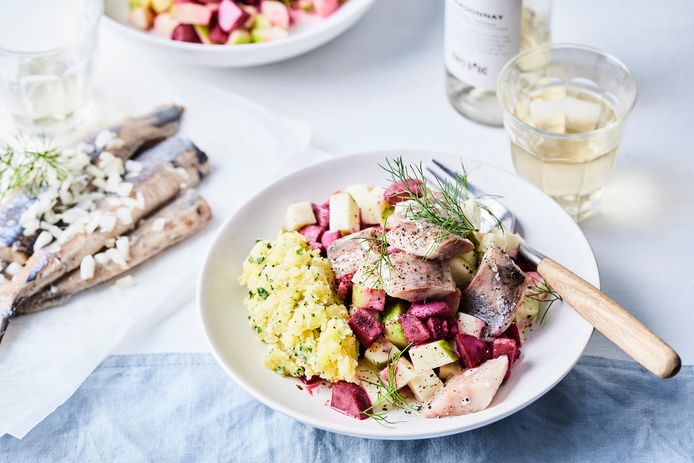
46, 54
564, 109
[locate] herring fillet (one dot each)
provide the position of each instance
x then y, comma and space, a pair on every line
168, 167
138, 132
135, 133
185, 216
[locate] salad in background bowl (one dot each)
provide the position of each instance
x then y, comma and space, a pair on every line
225, 22
232, 33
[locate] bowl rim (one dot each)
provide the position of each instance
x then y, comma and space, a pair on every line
337, 427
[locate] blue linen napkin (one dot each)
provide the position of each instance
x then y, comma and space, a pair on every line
182, 407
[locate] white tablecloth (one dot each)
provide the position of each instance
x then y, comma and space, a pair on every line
381, 85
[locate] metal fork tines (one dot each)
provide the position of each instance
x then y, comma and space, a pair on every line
492, 209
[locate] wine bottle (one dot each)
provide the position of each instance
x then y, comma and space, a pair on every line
480, 37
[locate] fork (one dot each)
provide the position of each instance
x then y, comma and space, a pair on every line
608, 317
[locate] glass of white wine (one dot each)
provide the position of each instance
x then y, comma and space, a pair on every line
564, 109
46, 54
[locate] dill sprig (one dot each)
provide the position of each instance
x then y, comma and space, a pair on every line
443, 205
388, 394
373, 271
30, 170
543, 293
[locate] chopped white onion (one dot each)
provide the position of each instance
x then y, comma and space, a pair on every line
87, 267
132, 168
125, 215
107, 222
14, 268
107, 139
101, 258
116, 257
141, 200
123, 247
55, 247
44, 239
158, 224
125, 283
125, 188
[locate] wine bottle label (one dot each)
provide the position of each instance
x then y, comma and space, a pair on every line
480, 36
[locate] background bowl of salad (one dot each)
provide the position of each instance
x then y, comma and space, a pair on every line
232, 33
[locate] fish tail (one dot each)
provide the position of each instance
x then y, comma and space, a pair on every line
4, 323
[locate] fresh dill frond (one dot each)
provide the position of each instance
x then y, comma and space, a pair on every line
543, 293
388, 394
442, 205
30, 170
373, 271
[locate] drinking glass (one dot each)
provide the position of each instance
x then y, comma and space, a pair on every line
46, 55
565, 107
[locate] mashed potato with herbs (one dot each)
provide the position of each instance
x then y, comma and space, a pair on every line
294, 309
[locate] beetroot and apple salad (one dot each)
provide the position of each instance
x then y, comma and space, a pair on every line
439, 309
226, 22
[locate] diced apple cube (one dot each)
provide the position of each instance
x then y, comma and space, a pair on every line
191, 13
425, 385
526, 313
380, 352
164, 25
367, 377
359, 192
450, 369
142, 18
468, 324
276, 12
365, 297
238, 37
507, 242
299, 215
371, 202
432, 355
268, 34
344, 213
393, 331
472, 212
461, 271
160, 6
403, 372
230, 16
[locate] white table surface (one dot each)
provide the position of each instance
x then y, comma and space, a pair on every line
381, 86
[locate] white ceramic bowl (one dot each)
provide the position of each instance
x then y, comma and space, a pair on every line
547, 357
311, 34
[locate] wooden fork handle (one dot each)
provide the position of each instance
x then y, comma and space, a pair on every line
612, 320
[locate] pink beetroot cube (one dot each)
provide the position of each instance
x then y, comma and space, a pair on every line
312, 232
472, 351
322, 213
415, 330
431, 309
366, 327
350, 399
